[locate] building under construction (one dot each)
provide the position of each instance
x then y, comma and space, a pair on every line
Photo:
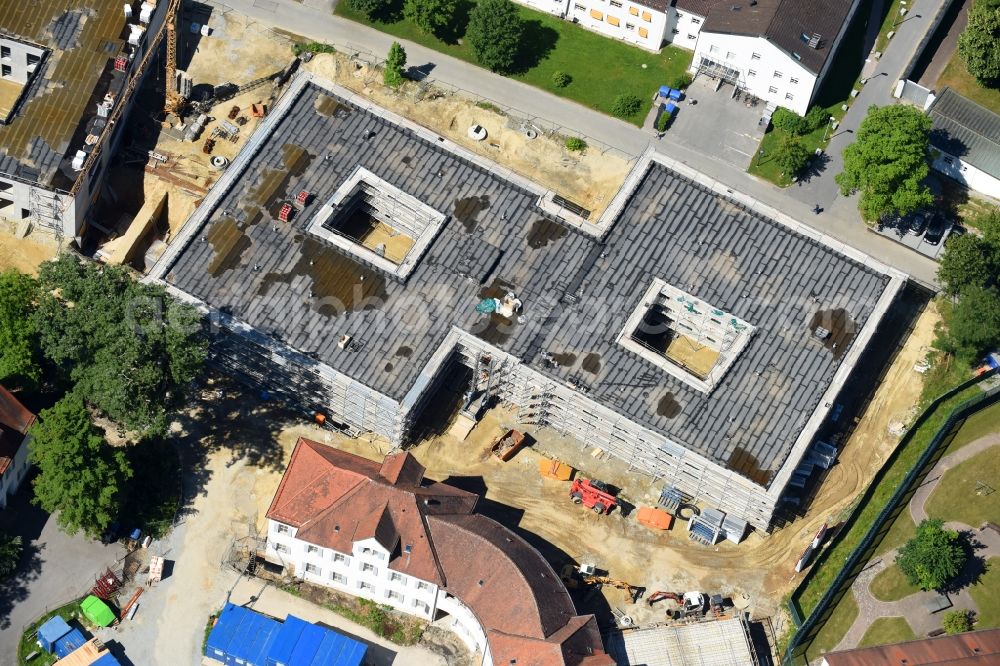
68, 71
357, 263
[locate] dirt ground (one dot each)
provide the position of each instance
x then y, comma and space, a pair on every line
762, 566
590, 179
24, 254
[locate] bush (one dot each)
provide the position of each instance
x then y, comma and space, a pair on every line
311, 47
789, 121
956, 622
661, 121
681, 81
816, 118
626, 105
575, 144
561, 79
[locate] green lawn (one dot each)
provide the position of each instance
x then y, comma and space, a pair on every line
28, 638
958, 79
957, 497
984, 593
891, 17
836, 626
902, 530
600, 67
822, 577
891, 585
764, 164
886, 631
980, 424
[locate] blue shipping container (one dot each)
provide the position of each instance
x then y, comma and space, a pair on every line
241, 634
69, 642
53, 629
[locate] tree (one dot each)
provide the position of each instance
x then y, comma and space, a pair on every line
979, 43
431, 16
130, 350
79, 475
974, 326
626, 105
392, 75
10, 554
494, 34
933, 557
372, 9
965, 263
792, 156
18, 336
888, 162
956, 622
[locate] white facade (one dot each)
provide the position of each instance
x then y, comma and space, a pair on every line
973, 178
18, 60
12, 477
762, 68
685, 29
619, 19
365, 573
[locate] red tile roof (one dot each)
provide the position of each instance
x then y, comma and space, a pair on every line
15, 419
335, 498
975, 648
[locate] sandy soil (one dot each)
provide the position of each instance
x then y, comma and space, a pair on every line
589, 179
24, 254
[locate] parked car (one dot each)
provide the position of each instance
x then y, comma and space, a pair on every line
935, 229
956, 230
916, 222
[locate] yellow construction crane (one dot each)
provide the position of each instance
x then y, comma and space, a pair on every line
174, 100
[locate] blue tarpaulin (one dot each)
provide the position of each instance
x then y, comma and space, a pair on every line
69, 642
240, 633
53, 629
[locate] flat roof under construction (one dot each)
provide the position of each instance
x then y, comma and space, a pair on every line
713, 643
578, 289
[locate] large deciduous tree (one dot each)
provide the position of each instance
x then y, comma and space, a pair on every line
974, 325
979, 43
933, 557
965, 263
494, 34
792, 156
18, 335
372, 9
79, 475
888, 162
129, 348
431, 16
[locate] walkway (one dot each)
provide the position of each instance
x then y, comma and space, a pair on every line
314, 19
912, 607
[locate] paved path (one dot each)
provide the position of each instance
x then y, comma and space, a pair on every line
313, 19
912, 606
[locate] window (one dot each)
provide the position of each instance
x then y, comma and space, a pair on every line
5, 70
777, 74
793, 80
422, 606
615, 3
421, 585
338, 578
371, 553
789, 96
313, 569
33, 59
369, 568
948, 160
634, 11
282, 529
692, 36
646, 16
752, 73
613, 20
713, 49
281, 548
730, 55
367, 587
594, 14
310, 549
755, 56
695, 21
580, 8
772, 89
340, 557
796, 55
4, 51
394, 595
643, 32
397, 578
804, 37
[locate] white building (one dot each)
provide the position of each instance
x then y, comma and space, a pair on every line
15, 420
67, 74
966, 142
379, 531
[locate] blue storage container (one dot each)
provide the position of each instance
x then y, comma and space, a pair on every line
69, 642
664, 91
675, 95
50, 632
670, 109
106, 659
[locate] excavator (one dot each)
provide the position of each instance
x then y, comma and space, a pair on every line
575, 578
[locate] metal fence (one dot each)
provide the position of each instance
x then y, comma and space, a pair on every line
808, 627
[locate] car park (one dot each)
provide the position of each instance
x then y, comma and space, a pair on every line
936, 228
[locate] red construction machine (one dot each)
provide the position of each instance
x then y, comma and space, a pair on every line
592, 494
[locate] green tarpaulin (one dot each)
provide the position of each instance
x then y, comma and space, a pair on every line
97, 611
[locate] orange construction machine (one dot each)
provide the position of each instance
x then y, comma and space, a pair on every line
592, 494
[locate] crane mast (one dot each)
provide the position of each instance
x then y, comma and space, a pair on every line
174, 99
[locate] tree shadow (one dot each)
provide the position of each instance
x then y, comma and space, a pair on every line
15, 588
814, 168
973, 569
537, 41
451, 33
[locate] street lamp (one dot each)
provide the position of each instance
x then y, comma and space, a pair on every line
828, 126
760, 154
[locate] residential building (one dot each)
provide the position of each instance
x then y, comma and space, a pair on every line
973, 648
647, 332
383, 532
15, 420
68, 70
965, 142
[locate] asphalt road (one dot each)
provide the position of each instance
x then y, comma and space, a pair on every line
840, 219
